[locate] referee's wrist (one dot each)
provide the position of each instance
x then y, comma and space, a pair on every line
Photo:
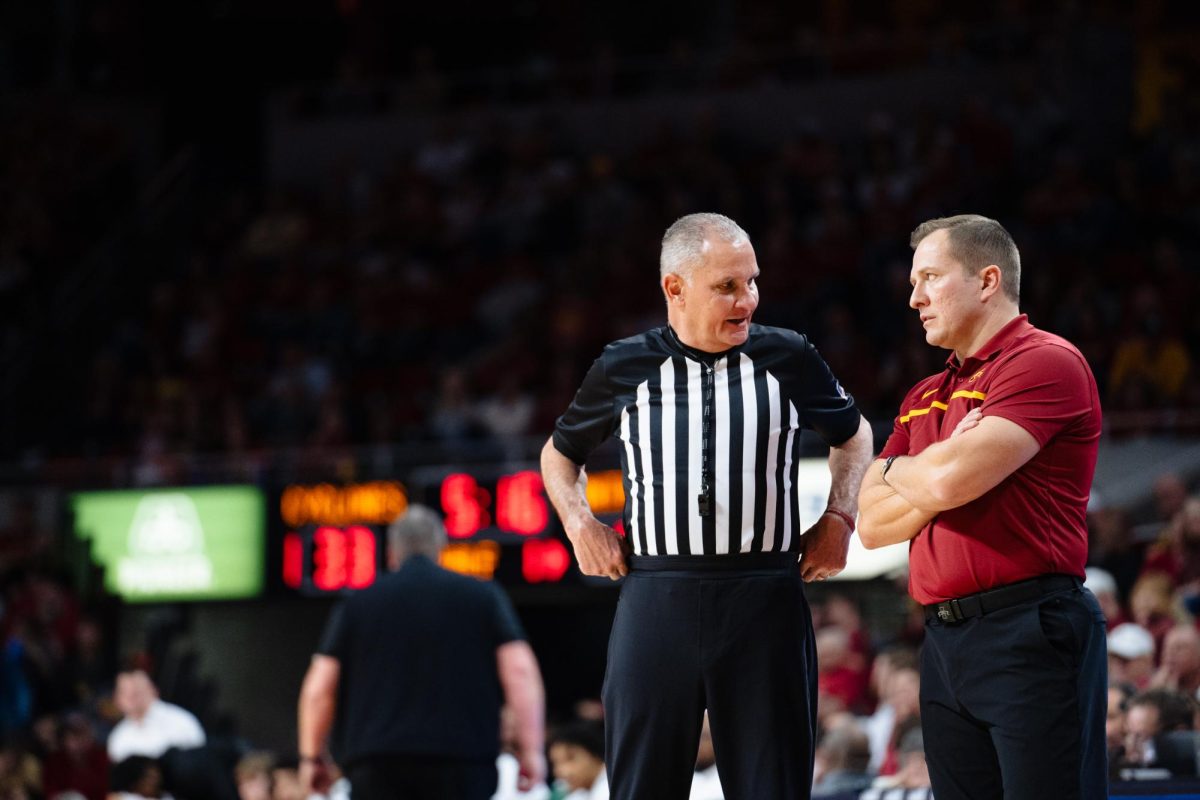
311, 759
843, 516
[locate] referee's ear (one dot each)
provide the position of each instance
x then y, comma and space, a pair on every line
672, 287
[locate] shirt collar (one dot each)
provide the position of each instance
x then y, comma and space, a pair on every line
1013, 329
700, 355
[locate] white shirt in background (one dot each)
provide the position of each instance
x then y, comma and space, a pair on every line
599, 790
164, 726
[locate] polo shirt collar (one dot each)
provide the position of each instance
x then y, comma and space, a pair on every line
1012, 330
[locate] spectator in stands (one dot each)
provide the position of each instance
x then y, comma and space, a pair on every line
80, 764
285, 780
137, 778
1131, 655
577, 758
1119, 695
840, 674
912, 775
149, 726
1180, 663
1152, 605
880, 724
843, 757
1104, 586
253, 776
20, 772
1149, 714
904, 696
1177, 552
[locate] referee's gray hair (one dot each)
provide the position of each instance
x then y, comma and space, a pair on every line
418, 530
683, 243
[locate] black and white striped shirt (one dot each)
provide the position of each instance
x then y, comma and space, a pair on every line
710, 440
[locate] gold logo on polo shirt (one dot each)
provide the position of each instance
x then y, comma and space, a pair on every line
974, 377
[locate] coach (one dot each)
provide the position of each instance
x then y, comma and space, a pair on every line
987, 472
709, 411
410, 675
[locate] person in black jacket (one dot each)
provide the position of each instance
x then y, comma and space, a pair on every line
410, 676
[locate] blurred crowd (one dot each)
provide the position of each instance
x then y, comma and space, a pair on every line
456, 296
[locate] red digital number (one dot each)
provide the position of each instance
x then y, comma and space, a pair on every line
330, 562
520, 504
343, 558
544, 560
293, 560
465, 506
362, 557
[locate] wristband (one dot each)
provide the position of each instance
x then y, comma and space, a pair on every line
843, 516
886, 466
312, 759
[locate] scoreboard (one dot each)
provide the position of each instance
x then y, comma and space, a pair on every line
333, 538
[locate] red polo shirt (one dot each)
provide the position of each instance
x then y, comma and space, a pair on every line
1033, 522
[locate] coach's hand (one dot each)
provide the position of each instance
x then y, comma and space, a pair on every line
823, 548
598, 548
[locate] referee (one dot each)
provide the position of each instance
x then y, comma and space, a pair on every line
709, 411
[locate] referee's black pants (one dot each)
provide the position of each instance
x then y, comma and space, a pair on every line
421, 777
1013, 702
731, 634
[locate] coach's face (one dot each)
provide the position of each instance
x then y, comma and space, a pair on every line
710, 308
947, 298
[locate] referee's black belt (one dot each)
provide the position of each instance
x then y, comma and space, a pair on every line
976, 605
724, 562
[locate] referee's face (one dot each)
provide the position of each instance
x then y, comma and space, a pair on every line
711, 309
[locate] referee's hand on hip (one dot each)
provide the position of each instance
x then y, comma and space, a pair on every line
825, 546
599, 549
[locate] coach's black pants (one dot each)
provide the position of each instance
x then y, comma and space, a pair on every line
735, 638
1013, 702
410, 777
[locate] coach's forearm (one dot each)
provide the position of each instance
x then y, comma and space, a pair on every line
566, 486
848, 463
885, 517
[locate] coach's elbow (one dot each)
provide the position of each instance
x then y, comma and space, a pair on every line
947, 489
870, 534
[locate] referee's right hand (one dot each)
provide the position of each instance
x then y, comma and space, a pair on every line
599, 549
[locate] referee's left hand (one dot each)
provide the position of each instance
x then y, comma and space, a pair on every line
599, 549
824, 547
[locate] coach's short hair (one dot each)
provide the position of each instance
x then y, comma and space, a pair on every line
683, 243
977, 242
418, 530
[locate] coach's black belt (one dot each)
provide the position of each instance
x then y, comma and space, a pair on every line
707, 563
976, 605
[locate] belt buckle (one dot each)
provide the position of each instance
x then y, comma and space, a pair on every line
949, 611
